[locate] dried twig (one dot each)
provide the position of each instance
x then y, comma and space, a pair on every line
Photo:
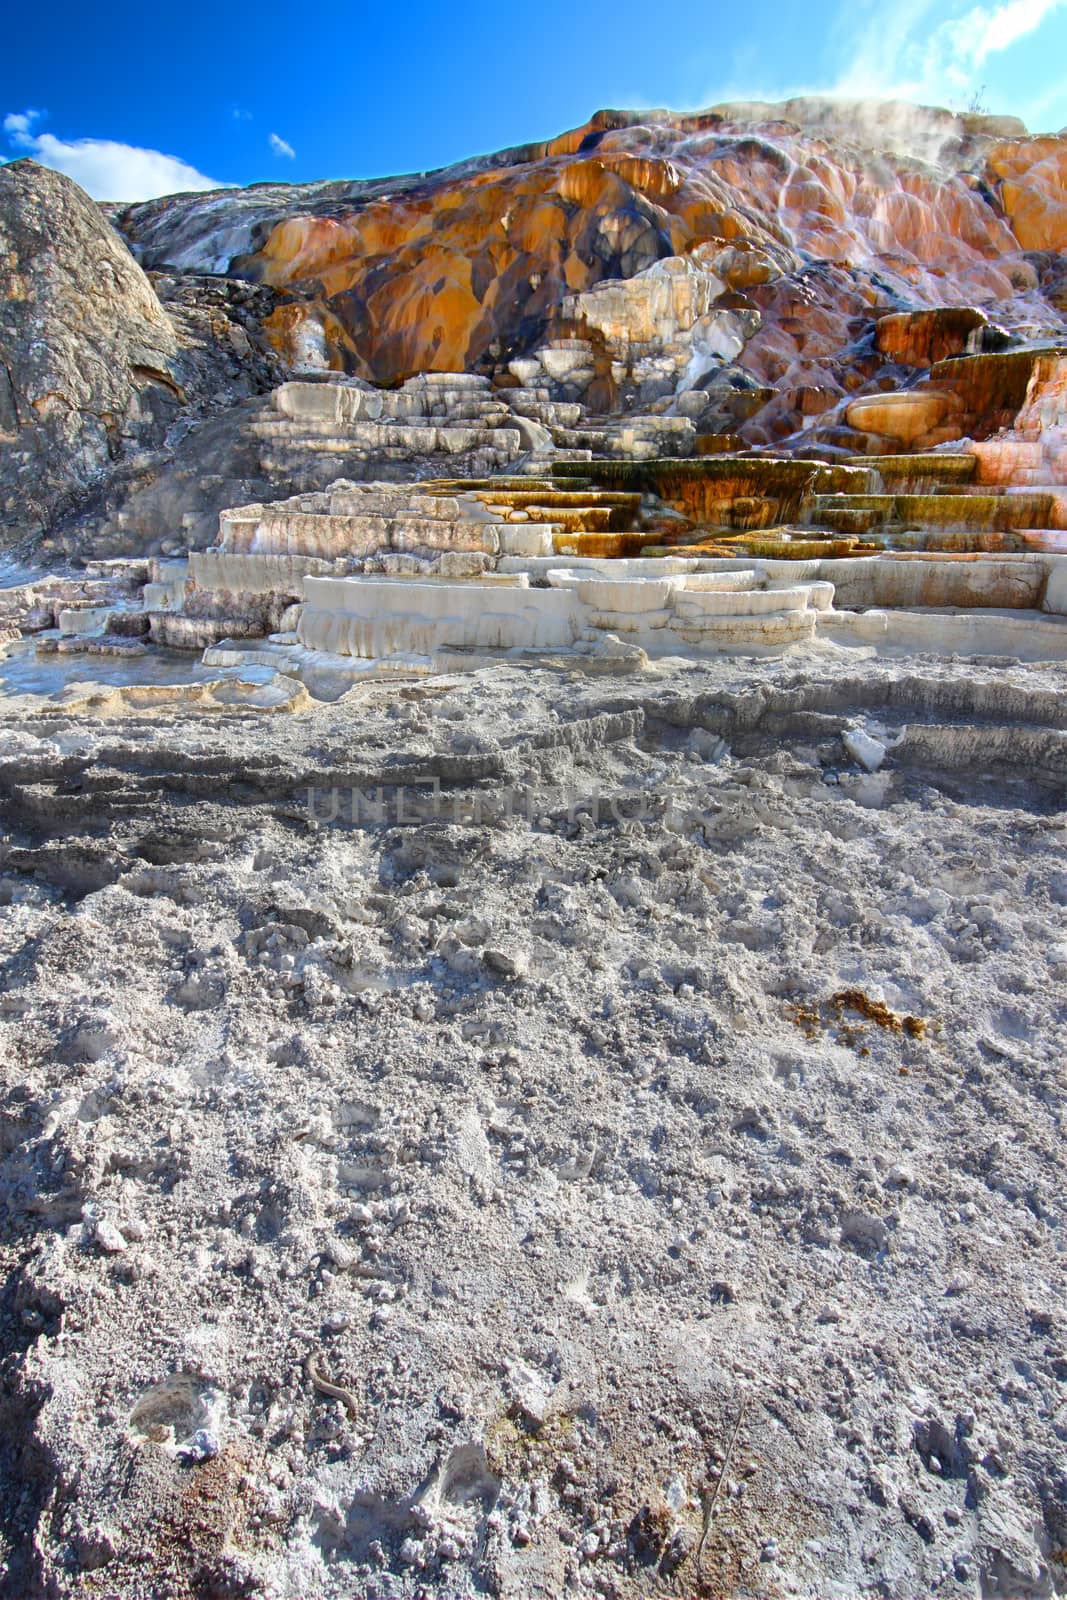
713, 1498
324, 1386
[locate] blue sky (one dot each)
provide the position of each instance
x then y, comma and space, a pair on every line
134, 99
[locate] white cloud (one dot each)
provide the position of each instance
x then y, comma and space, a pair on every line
17, 125
930, 52
281, 147
918, 52
906, 52
105, 169
999, 29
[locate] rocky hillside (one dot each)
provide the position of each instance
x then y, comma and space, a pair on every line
730, 267
459, 268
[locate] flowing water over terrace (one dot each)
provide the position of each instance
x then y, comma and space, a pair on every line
24, 671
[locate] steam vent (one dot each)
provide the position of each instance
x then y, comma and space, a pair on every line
533, 871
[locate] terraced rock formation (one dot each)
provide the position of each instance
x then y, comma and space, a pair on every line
751, 276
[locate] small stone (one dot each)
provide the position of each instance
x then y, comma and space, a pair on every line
203, 1446
94, 1549
863, 1232
870, 753
510, 964
107, 1237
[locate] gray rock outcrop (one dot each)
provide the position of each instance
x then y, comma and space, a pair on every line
87, 353
94, 369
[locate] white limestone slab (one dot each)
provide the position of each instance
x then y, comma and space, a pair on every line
353, 617
694, 606
83, 619
1055, 596
727, 633
608, 593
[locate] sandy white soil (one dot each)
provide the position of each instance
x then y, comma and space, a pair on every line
463, 1203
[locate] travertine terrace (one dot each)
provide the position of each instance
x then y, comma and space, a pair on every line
533, 751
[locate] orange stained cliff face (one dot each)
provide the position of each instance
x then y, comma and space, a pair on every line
460, 271
1031, 180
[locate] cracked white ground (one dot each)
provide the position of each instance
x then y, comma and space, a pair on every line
489, 1196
